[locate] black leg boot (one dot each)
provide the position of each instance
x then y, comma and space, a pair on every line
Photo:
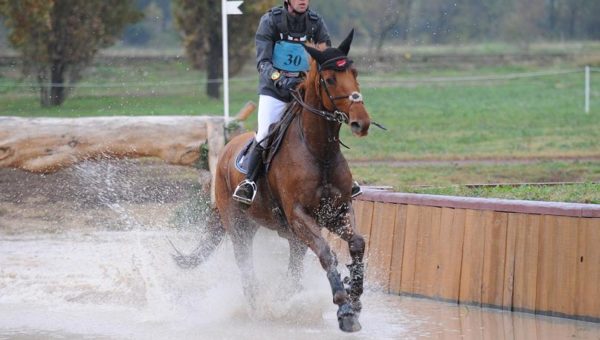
246, 190
355, 191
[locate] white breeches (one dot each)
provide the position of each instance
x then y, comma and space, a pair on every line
269, 112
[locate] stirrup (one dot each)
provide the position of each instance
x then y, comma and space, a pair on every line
242, 199
356, 190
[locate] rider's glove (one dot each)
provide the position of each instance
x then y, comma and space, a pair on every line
287, 83
266, 70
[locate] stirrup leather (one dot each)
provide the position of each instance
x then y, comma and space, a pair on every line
242, 199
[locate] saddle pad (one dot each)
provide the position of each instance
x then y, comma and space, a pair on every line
241, 161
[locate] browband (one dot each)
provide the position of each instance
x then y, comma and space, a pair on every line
337, 64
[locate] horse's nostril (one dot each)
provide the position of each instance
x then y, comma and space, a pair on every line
355, 126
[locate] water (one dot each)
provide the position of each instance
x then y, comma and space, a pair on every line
62, 276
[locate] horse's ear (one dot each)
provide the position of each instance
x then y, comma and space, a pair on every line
345, 45
314, 53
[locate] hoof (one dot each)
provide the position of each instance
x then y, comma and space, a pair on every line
349, 324
348, 320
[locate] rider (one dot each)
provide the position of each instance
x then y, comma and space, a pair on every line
281, 61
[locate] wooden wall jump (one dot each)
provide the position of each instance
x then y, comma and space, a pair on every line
535, 257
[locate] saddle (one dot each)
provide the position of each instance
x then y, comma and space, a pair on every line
273, 140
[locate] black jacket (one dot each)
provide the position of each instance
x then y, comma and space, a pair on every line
270, 31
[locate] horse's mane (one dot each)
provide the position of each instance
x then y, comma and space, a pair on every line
311, 76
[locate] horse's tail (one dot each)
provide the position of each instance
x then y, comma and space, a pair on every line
211, 239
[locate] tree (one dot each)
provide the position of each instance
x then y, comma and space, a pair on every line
58, 38
397, 14
524, 24
200, 26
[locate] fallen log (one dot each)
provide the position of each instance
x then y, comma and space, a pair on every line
46, 145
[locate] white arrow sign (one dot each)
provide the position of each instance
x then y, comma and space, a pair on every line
233, 7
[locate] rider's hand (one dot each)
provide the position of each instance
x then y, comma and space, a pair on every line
287, 83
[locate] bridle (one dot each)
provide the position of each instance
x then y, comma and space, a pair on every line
336, 115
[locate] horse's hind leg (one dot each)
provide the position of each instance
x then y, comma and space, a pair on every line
296, 265
306, 228
242, 234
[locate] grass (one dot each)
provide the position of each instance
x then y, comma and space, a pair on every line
576, 193
453, 179
532, 117
539, 118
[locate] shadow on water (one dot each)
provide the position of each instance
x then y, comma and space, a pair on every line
84, 253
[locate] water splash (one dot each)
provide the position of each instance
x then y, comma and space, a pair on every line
119, 281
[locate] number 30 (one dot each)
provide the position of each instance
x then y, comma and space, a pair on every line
292, 59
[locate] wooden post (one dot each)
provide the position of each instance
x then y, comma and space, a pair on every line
215, 130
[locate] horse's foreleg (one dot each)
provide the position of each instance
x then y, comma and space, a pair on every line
306, 229
356, 244
242, 235
296, 265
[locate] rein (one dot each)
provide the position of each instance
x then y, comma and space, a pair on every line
336, 115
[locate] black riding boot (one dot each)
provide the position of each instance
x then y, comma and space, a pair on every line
246, 190
355, 191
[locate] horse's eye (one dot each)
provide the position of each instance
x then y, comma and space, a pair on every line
331, 81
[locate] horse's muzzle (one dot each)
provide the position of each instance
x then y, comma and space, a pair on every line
360, 127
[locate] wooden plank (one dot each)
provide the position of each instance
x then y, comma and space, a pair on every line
494, 256
427, 255
472, 260
215, 134
410, 249
363, 217
380, 250
509, 261
452, 230
557, 265
398, 249
587, 297
526, 260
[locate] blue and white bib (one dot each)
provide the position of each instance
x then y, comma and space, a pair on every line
290, 57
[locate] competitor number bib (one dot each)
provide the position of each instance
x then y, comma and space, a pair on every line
290, 57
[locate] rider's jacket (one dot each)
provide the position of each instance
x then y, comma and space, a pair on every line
278, 40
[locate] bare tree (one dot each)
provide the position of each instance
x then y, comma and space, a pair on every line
57, 38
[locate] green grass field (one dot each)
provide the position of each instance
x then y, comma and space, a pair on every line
529, 118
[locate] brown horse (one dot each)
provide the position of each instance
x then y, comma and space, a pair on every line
307, 187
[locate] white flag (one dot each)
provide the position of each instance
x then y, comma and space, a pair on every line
233, 7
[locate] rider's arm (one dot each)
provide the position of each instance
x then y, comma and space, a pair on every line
265, 37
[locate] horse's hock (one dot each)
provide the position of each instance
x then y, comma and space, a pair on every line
537, 257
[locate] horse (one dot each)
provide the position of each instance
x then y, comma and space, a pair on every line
307, 187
